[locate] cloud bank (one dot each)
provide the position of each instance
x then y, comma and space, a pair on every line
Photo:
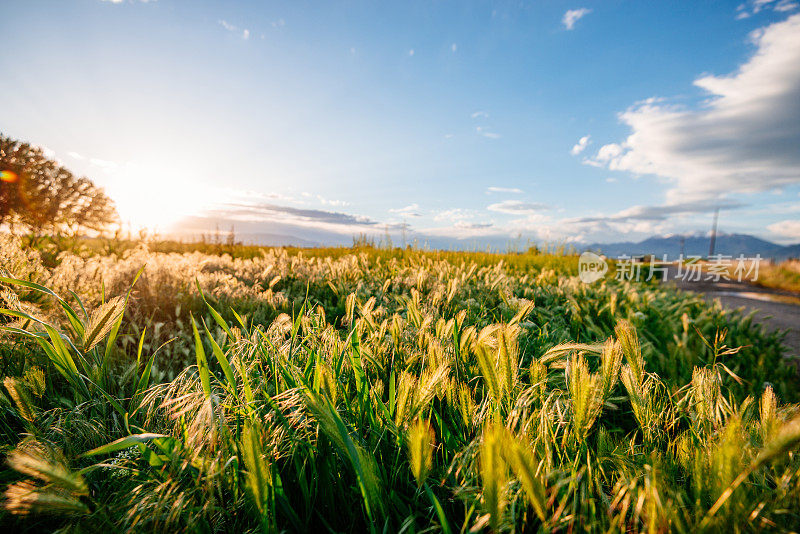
517, 207
574, 15
742, 139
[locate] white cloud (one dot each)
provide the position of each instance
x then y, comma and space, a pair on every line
411, 52
473, 225
329, 202
454, 47
663, 212
234, 29
788, 229
311, 219
455, 214
461, 230
491, 135
744, 138
513, 190
480, 115
581, 145
412, 210
517, 207
574, 15
753, 7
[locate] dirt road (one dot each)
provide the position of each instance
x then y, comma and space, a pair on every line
775, 309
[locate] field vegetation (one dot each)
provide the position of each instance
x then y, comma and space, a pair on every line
784, 275
168, 389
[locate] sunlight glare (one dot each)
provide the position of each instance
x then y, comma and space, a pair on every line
156, 201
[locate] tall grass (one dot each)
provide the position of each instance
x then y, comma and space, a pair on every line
387, 394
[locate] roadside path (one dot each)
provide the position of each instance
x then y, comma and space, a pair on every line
775, 309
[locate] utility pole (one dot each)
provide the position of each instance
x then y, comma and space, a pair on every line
713, 233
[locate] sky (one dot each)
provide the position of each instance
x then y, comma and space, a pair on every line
449, 123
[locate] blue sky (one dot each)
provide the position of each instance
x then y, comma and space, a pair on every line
460, 121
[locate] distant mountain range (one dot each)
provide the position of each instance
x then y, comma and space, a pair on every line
698, 245
292, 233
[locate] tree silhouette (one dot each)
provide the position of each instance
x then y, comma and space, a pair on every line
40, 196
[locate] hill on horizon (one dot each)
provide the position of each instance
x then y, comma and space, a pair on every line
698, 245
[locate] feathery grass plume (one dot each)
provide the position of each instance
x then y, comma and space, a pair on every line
35, 380
415, 394
466, 406
101, 321
706, 397
768, 413
18, 392
538, 379
467, 339
258, 474
421, 441
610, 365
629, 344
62, 490
563, 349
728, 455
326, 381
525, 309
24, 498
432, 382
46, 464
643, 504
493, 474
612, 304
586, 393
414, 314
637, 394
452, 289
685, 322
508, 360
525, 465
487, 364
786, 438
396, 328
349, 307
404, 403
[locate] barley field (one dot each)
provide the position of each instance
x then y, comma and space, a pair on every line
381, 390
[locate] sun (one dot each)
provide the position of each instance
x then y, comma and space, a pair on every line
155, 201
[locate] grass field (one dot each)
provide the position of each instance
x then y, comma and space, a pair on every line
169, 389
784, 275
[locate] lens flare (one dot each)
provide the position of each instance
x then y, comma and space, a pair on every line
8, 177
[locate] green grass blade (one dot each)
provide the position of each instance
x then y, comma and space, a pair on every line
122, 443
202, 362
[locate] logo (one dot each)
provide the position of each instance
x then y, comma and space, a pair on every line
591, 267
